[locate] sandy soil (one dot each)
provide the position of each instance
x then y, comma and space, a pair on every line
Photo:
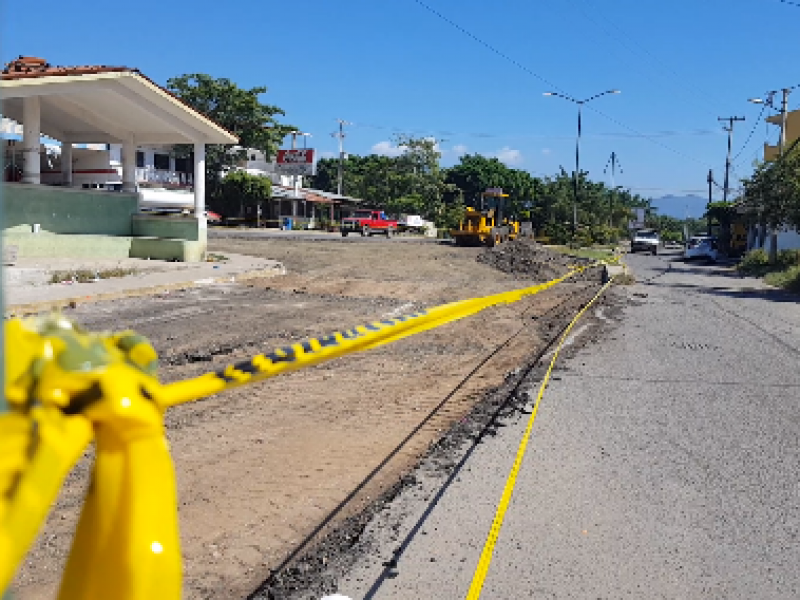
259, 467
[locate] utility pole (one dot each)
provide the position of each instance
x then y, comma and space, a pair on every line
710, 180
341, 135
773, 238
729, 129
613, 160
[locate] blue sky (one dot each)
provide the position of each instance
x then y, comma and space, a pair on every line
392, 66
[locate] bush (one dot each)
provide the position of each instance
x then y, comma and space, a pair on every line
603, 234
559, 234
788, 279
755, 262
789, 258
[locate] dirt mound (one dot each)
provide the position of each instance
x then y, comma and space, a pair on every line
525, 259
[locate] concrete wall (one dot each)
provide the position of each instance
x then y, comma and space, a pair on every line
81, 223
45, 245
67, 210
176, 227
788, 239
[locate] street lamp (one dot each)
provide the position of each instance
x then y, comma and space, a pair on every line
580, 104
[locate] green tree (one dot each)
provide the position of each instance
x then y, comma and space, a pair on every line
772, 194
239, 190
412, 181
239, 111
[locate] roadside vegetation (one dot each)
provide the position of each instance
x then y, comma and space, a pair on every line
783, 273
88, 275
591, 253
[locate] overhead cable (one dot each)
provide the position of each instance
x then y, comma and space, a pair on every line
549, 83
752, 131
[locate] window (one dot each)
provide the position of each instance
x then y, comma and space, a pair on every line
140, 159
161, 161
182, 165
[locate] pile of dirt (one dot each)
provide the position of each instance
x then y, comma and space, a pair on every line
525, 259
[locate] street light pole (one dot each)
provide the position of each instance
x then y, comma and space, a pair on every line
577, 174
580, 104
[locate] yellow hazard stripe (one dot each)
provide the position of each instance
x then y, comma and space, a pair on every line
494, 532
316, 350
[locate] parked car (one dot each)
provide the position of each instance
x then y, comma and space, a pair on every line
646, 240
702, 247
367, 222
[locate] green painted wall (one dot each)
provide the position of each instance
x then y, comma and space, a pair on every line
67, 210
180, 228
161, 249
45, 245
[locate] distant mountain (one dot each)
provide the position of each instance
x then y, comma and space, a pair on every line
680, 206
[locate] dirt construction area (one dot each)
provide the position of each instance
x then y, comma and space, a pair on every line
259, 468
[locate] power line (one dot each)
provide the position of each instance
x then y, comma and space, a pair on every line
486, 44
449, 133
549, 83
645, 136
752, 131
622, 38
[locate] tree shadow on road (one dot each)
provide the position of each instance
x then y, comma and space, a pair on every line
736, 290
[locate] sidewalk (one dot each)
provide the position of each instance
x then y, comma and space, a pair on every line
27, 288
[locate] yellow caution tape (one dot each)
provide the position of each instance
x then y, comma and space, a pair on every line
494, 532
316, 350
66, 386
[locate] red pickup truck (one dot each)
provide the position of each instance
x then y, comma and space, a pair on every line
367, 222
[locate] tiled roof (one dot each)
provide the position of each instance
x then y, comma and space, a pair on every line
26, 67
311, 195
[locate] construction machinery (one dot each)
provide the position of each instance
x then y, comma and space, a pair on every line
489, 227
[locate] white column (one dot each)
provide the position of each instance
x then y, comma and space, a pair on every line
129, 165
294, 208
200, 183
31, 134
66, 164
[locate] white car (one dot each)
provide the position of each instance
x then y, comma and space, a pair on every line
702, 247
645, 240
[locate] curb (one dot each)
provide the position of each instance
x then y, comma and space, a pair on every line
24, 310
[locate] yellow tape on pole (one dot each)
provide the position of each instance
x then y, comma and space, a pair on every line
317, 350
494, 532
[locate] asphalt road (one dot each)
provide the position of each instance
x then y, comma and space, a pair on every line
663, 464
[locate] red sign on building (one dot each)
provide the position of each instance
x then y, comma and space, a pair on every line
296, 162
